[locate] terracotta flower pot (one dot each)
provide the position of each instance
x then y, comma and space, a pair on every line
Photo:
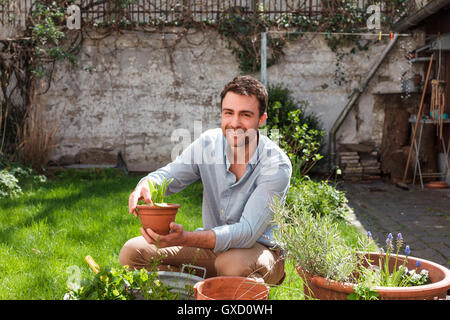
230, 288
157, 218
437, 185
323, 289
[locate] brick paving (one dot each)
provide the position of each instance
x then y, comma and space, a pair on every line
421, 215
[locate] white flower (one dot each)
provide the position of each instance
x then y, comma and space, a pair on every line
424, 272
415, 277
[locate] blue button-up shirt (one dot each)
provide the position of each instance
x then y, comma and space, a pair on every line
238, 212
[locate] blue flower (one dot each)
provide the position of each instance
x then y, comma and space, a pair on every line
389, 240
399, 236
369, 234
407, 250
418, 263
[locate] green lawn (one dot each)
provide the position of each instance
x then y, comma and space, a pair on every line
51, 228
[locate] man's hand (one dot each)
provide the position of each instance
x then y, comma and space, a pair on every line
179, 237
174, 238
141, 192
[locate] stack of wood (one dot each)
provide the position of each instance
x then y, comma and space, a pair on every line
351, 167
357, 166
371, 166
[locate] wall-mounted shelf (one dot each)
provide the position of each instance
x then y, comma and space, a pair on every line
437, 43
421, 59
416, 54
441, 42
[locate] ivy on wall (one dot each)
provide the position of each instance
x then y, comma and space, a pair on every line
240, 26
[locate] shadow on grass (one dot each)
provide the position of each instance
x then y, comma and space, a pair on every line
46, 206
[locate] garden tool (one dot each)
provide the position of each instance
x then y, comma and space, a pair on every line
418, 117
90, 261
437, 105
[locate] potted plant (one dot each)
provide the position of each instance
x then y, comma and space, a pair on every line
331, 269
158, 215
111, 283
231, 288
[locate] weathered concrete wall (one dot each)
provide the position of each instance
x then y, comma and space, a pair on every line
130, 93
365, 122
308, 70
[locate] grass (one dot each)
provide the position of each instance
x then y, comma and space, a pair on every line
52, 227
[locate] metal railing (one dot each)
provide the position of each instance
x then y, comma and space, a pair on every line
145, 11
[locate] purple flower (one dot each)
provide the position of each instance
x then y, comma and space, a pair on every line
418, 264
399, 237
389, 241
369, 234
407, 250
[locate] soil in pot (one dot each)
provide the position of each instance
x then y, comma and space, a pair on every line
320, 288
230, 288
157, 218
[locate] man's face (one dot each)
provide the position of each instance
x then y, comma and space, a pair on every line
240, 118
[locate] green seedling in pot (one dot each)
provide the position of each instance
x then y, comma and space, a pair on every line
158, 192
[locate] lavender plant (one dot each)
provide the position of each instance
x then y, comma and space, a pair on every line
315, 242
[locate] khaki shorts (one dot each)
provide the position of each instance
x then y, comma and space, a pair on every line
257, 262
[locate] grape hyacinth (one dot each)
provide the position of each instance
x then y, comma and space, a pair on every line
389, 242
399, 241
407, 250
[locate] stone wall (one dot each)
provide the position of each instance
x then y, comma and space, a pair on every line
130, 93
308, 68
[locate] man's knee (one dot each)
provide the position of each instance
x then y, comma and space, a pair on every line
256, 262
132, 253
232, 263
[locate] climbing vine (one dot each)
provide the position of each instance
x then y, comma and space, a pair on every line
240, 26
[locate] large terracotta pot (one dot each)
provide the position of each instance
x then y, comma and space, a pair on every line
157, 218
230, 288
323, 289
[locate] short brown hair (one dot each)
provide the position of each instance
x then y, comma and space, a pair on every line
247, 86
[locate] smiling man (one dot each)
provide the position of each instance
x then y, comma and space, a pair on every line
242, 171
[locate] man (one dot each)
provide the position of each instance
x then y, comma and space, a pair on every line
241, 171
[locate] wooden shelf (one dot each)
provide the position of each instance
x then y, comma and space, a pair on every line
421, 59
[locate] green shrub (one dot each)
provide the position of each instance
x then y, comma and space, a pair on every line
9, 185
15, 176
298, 134
26, 175
319, 198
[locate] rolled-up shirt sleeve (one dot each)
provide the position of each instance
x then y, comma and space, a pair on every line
257, 214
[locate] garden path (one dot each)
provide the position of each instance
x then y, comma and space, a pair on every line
421, 215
